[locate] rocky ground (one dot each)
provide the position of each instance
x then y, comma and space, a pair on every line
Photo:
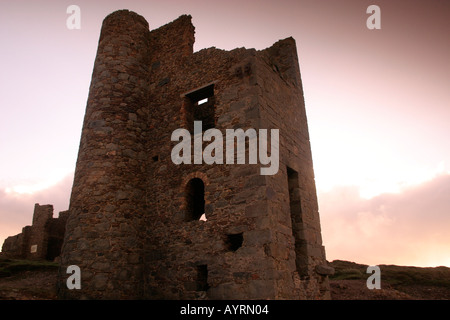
397, 283
357, 290
27, 280
29, 285
22, 280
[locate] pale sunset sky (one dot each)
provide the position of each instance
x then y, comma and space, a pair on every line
378, 106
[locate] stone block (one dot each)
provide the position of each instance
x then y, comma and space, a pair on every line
257, 209
237, 106
100, 281
257, 237
324, 270
261, 289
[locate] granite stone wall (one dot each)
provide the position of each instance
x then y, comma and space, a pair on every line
141, 226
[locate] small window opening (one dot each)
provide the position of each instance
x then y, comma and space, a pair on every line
234, 241
202, 278
155, 158
195, 199
200, 106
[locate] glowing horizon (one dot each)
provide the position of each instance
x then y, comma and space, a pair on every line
377, 103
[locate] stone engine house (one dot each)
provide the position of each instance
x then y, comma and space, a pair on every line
136, 226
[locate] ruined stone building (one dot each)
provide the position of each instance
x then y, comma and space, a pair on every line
40, 241
134, 227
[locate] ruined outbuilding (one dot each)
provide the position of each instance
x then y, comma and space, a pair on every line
40, 241
141, 226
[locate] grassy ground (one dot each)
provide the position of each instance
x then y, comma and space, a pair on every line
397, 282
9, 267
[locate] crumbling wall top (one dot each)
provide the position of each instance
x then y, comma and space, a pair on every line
42, 214
121, 16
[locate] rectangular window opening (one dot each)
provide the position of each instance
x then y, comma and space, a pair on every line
295, 205
202, 278
199, 105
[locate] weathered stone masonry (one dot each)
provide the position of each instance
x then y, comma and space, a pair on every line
40, 241
134, 227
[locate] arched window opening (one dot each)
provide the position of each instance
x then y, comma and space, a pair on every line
195, 199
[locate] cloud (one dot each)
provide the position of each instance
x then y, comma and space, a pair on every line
16, 210
407, 228
410, 227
